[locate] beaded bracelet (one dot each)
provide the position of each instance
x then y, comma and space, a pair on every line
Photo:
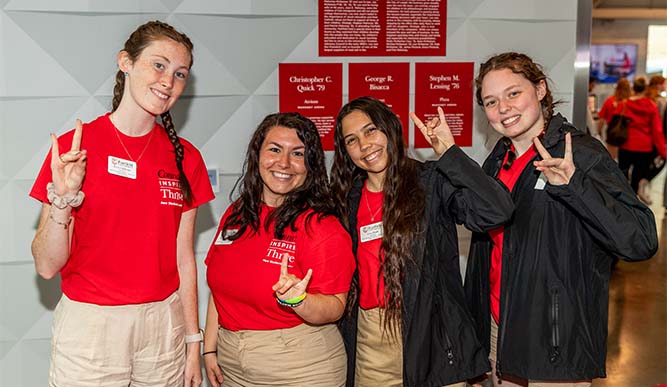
292, 302
64, 224
61, 202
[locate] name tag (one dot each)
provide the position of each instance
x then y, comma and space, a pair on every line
224, 240
121, 167
371, 232
541, 182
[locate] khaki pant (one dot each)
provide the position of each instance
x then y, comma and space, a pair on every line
513, 381
379, 357
305, 355
111, 346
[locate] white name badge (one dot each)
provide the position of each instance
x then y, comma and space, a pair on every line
223, 240
371, 232
121, 167
541, 181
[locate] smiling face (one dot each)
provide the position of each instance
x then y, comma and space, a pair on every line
512, 104
156, 79
281, 164
366, 145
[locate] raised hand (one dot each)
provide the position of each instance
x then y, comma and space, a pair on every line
290, 286
68, 169
436, 132
557, 171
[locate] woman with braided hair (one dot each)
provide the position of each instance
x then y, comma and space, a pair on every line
128, 314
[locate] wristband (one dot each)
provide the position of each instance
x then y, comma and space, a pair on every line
209, 352
292, 302
197, 337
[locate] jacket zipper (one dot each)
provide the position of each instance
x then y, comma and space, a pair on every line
503, 273
554, 354
449, 351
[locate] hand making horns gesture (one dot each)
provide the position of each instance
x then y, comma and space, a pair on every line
436, 132
290, 286
68, 169
557, 171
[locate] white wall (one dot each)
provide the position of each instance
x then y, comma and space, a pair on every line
57, 62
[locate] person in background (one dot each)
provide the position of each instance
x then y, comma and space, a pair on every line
538, 286
655, 90
279, 268
591, 127
639, 85
652, 92
645, 134
128, 313
614, 103
407, 323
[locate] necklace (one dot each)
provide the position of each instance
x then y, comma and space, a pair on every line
368, 205
125, 148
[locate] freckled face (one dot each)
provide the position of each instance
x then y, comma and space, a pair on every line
157, 78
281, 164
512, 104
365, 143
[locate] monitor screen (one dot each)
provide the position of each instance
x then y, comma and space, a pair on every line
610, 62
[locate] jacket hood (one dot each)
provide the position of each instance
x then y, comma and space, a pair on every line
556, 130
642, 106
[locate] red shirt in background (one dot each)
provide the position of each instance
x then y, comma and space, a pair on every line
645, 127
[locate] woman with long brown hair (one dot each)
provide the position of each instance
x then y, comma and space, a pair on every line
406, 322
128, 313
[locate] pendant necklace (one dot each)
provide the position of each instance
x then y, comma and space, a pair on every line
368, 205
125, 148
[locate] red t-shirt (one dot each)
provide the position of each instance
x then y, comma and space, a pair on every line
608, 109
369, 222
241, 273
509, 178
124, 243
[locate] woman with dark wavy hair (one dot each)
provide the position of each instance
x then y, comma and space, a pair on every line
279, 268
407, 324
538, 285
125, 253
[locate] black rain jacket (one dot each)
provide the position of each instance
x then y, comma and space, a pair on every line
556, 263
440, 346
